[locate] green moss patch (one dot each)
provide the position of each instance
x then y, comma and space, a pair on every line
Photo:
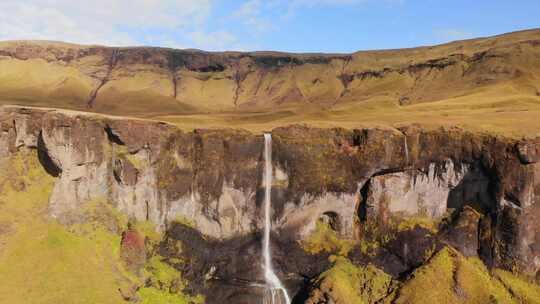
123, 153
152, 295
163, 282
47, 262
164, 285
345, 282
448, 277
409, 223
522, 290
325, 239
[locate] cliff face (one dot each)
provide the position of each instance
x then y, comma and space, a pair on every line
402, 193
156, 81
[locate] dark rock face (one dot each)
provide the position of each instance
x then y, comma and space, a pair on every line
463, 234
229, 270
529, 152
481, 191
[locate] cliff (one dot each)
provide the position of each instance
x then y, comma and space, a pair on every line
385, 199
399, 176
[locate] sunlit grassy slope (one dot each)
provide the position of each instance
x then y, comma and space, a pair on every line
488, 84
502, 110
451, 278
44, 262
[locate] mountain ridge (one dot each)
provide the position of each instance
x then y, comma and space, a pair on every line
488, 75
60, 42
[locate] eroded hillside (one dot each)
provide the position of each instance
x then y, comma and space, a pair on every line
485, 83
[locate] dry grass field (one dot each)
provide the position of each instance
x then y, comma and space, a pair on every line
486, 84
494, 111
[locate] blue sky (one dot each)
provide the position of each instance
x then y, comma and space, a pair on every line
293, 25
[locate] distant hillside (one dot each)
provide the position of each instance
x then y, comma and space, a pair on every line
164, 83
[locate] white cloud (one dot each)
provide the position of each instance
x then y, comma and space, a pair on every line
212, 41
170, 23
111, 22
218, 41
324, 2
249, 9
341, 2
254, 14
251, 14
452, 34
294, 5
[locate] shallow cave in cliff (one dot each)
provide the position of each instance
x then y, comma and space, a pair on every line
44, 159
431, 192
475, 189
444, 204
331, 219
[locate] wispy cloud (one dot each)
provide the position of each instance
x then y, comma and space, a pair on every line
216, 41
99, 21
324, 2
170, 23
312, 3
294, 5
452, 34
255, 14
252, 14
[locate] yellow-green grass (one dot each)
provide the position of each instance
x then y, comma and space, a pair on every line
523, 290
409, 223
500, 110
325, 239
164, 285
451, 278
46, 263
493, 88
510, 108
137, 161
43, 261
347, 283
507, 109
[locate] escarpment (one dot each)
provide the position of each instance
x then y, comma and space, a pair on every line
157, 81
384, 200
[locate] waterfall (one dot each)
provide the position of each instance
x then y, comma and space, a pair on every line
406, 150
275, 293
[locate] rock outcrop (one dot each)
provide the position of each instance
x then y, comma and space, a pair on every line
203, 189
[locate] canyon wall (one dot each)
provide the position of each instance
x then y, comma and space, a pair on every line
482, 190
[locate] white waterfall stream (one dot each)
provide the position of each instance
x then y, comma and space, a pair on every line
406, 148
275, 293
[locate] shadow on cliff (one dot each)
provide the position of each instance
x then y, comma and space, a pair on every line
230, 271
44, 159
476, 190
474, 214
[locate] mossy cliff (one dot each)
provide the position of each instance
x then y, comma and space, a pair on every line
151, 213
100, 259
